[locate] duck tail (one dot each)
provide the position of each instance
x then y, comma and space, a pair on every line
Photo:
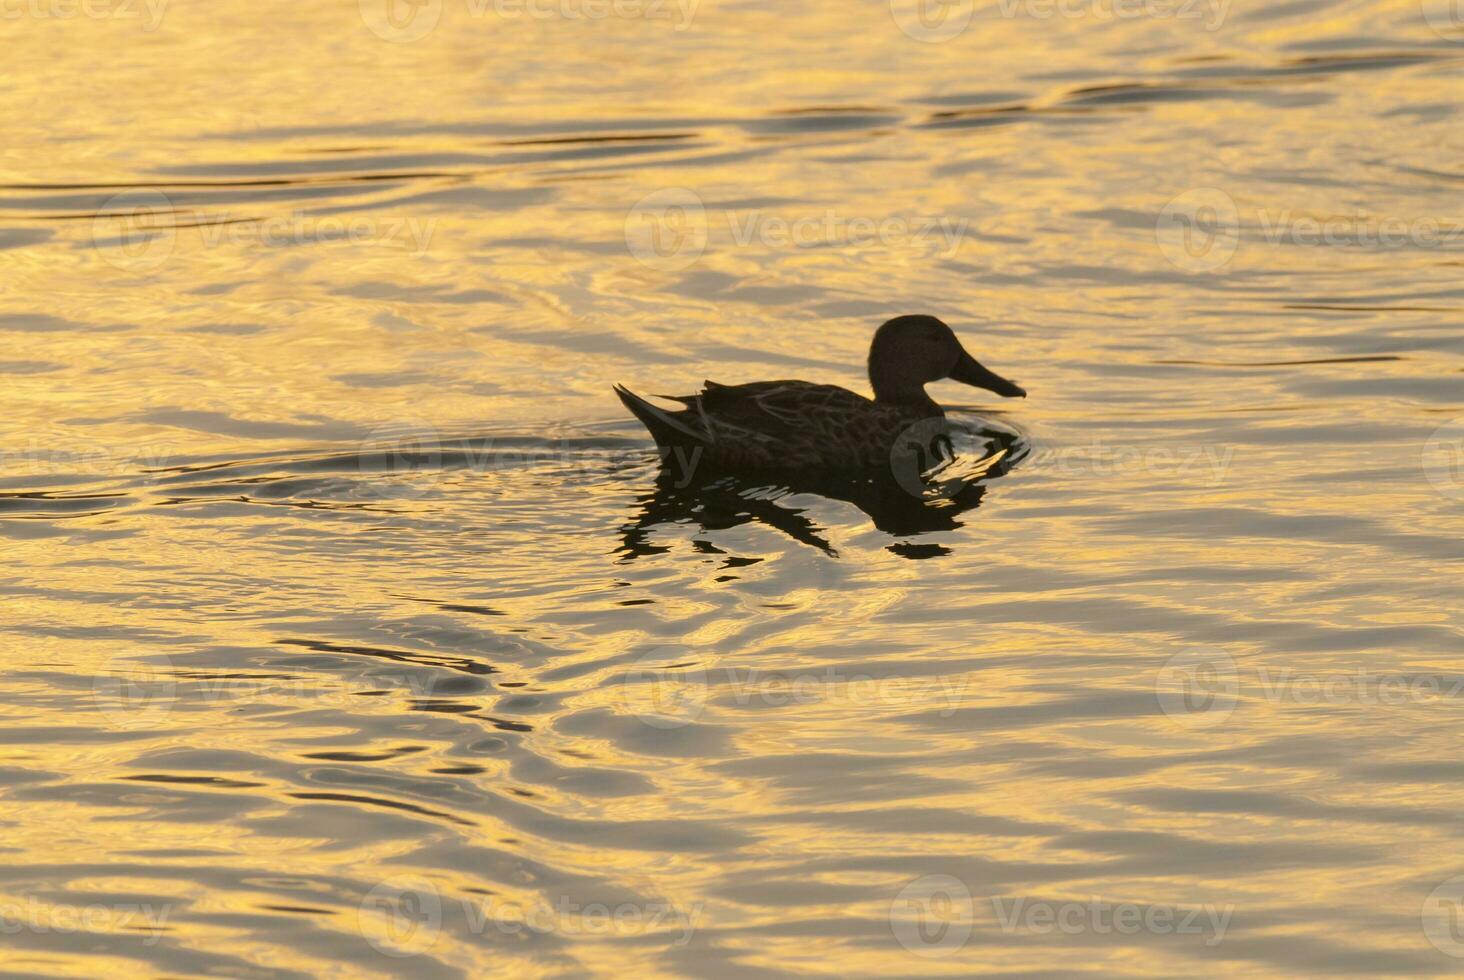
664, 426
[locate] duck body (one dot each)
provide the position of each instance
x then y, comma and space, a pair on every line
799, 426
779, 425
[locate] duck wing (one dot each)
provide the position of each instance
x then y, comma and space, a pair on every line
778, 424
778, 409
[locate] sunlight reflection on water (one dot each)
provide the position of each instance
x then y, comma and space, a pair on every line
353, 629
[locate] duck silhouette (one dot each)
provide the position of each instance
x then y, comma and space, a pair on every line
797, 426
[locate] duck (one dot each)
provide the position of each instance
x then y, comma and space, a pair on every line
806, 427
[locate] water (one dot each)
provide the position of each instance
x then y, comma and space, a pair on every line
351, 631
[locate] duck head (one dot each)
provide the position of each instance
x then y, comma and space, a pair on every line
908, 352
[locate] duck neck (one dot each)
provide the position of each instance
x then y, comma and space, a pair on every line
892, 387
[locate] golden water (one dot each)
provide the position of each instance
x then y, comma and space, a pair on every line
348, 631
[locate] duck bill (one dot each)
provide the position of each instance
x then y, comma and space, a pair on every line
970, 371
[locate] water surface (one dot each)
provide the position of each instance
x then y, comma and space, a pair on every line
352, 631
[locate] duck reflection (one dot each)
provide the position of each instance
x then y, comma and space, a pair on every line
926, 489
